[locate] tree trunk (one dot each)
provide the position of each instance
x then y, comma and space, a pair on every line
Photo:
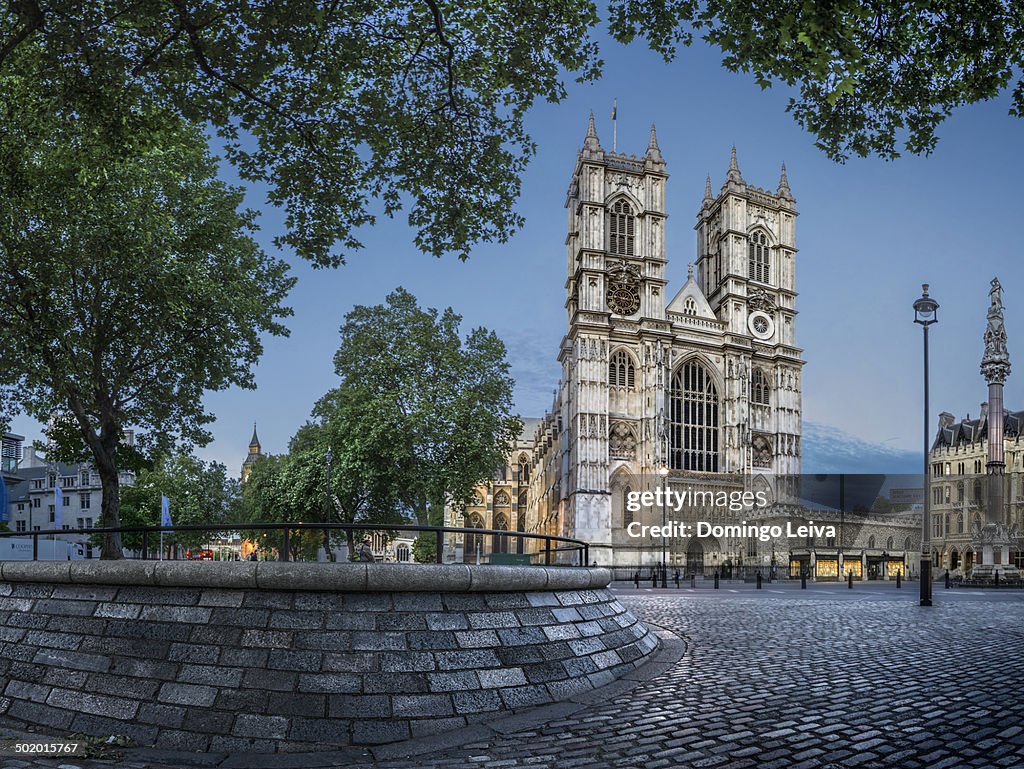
111, 508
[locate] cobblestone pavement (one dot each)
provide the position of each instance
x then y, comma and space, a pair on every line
789, 680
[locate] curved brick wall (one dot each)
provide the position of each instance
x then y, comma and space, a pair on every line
269, 656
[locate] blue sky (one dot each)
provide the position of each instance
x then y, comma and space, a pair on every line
870, 232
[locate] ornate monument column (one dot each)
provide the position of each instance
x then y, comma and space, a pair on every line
994, 537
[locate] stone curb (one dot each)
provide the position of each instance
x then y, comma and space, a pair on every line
324, 577
672, 650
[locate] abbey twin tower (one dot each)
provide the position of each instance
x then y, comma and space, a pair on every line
703, 386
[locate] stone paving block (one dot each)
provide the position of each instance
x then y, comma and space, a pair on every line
407, 662
336, 683
476, 639
266, 727
477, 701
447, 621
212, 675
187, 694
202, 654
352, 706
421, 705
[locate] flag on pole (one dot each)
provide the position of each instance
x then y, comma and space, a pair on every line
165, 511
615, 125
58, 506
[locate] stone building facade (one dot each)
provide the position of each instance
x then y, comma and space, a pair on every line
700, 390
959, 487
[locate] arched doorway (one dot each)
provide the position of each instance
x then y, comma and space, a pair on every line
954, 559
968, 560
695, 557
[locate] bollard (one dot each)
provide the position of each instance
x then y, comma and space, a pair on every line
899, 579
803, 580
849, 581
716, 580
759, 580
693, 581
947, 580
995, 576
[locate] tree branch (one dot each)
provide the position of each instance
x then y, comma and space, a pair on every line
34, 19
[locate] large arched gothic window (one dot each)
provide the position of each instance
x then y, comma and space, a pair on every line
621, 371
693, 419
758, 267
524, 469
621, 228
760, 392
500, 543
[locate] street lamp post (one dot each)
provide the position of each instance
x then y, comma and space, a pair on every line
663, 472
926, 314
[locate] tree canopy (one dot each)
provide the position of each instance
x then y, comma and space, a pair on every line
199, 493
130, 283
436, 407
347, 111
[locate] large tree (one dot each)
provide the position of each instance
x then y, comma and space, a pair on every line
294, 487
356, 109
129, 280
434, 407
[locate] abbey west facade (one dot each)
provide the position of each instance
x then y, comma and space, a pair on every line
696, 391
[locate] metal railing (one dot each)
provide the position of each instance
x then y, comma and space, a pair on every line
548, 554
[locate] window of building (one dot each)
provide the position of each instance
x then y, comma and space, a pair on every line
81, 523
977, 492
402, 553
759, 390
621, 229
85, 501
690, 306
906, 544
937, 526
67, 481
871, 542
758, 265
85, 479
890, 543
19, 526
501, 499
693, 419
37, 483
37, 502
88, 523
960, 523
621, 371
524, 469
52, 481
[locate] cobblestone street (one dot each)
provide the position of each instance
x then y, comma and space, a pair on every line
785, 678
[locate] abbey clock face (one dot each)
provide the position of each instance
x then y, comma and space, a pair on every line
761, 325
623, 299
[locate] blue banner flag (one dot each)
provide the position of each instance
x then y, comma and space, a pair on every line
4, 516
615, 109
58, 506
165, 511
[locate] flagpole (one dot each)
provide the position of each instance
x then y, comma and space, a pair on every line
615, 125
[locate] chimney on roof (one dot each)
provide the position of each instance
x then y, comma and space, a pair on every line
946, 420
984, 411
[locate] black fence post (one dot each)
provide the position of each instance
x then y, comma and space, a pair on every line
899, 579
849, 580
547, 551
803, 580
285, 555
439, 557
759, 580
145, 546
586, 555
35, 547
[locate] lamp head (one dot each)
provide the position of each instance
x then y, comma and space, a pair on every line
663, 471
926, 309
